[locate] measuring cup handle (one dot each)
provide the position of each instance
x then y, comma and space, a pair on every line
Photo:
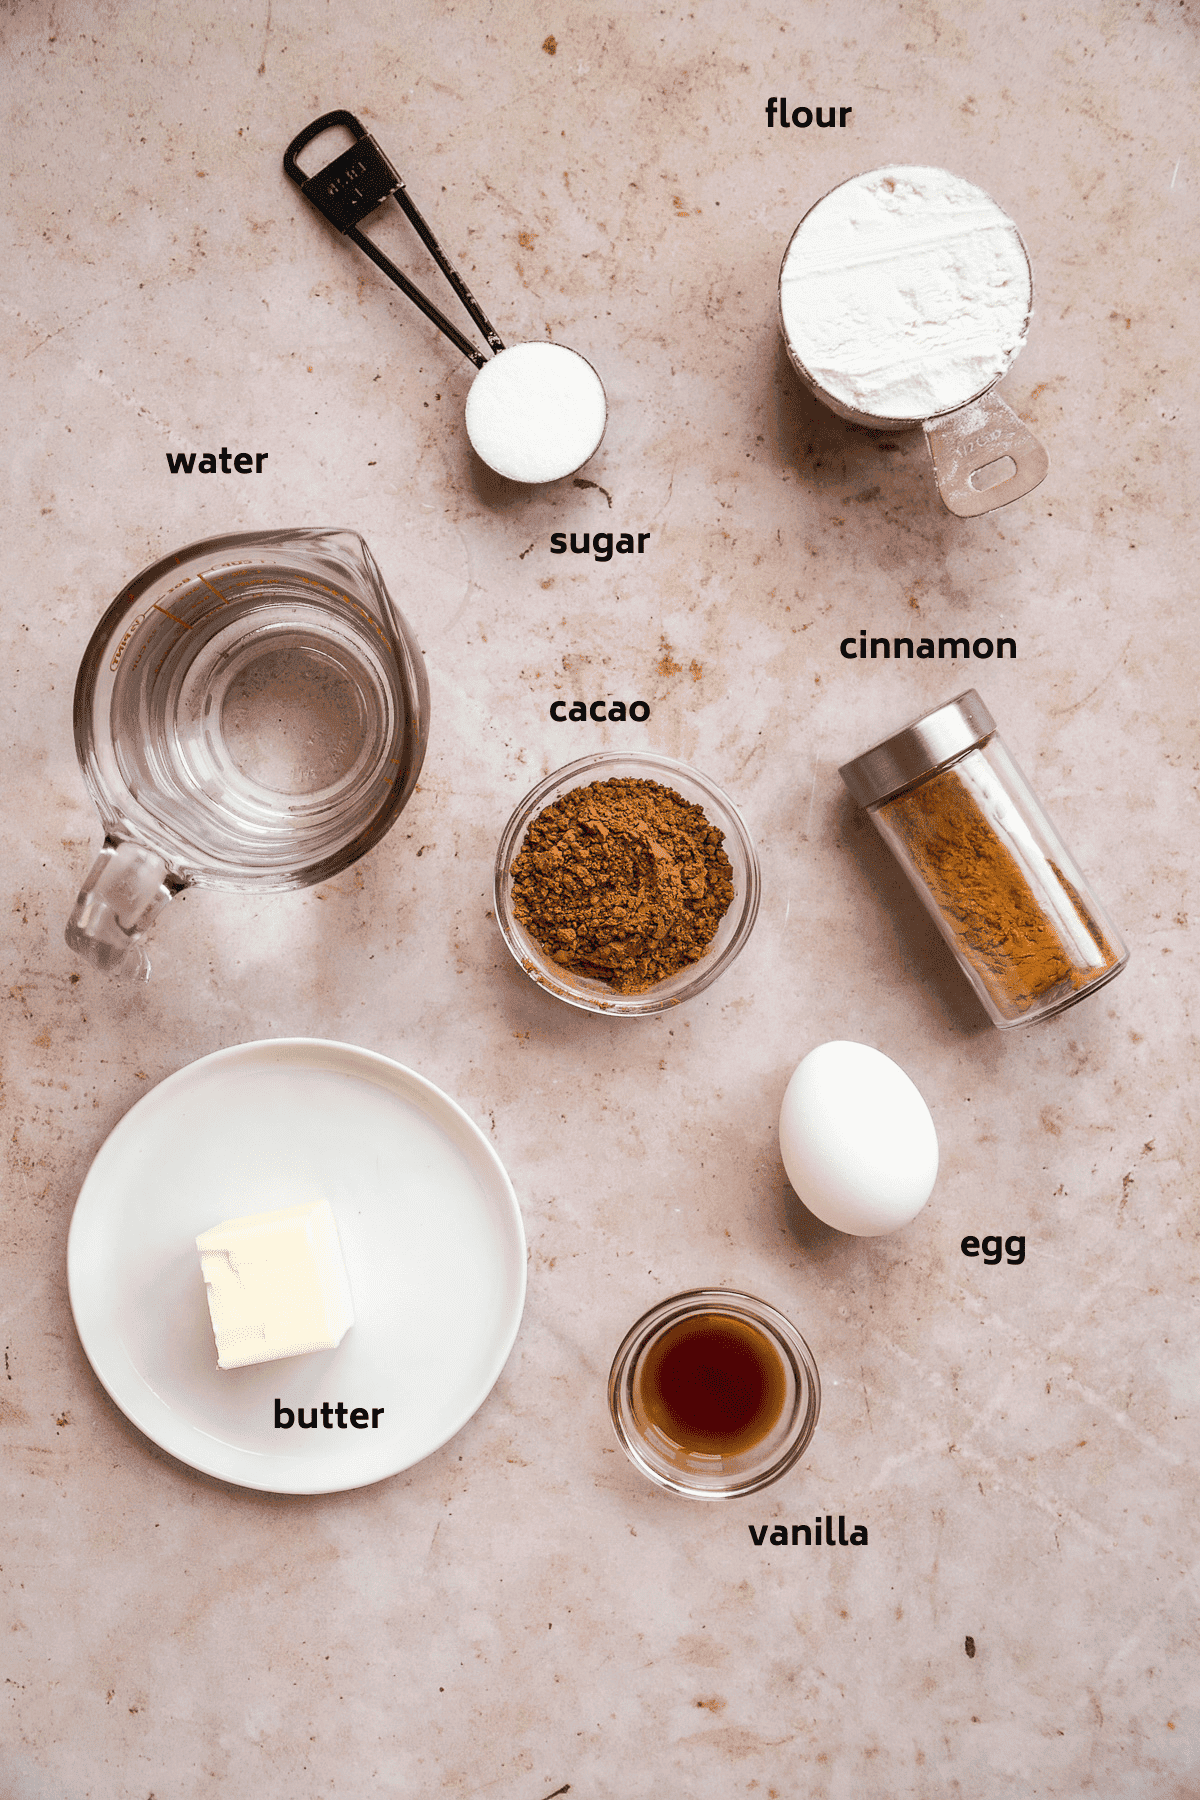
984, 456
302, 138
126, 888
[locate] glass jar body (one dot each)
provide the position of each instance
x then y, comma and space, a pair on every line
995, 877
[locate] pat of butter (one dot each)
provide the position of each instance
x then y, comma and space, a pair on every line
276, 1284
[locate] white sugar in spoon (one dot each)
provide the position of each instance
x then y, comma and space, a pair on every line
535, 412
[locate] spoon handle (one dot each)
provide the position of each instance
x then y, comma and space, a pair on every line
350, 188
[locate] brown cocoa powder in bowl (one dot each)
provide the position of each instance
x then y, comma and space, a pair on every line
624, 881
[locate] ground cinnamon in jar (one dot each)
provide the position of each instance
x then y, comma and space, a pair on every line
1016, 942
986, 862
624, 881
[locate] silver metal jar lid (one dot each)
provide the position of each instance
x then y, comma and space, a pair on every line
940, 737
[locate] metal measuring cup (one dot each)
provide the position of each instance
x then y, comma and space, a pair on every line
251, 712
536, 412
984, 456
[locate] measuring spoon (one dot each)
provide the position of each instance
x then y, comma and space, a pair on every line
535, 412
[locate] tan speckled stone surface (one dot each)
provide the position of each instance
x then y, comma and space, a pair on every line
521, 1614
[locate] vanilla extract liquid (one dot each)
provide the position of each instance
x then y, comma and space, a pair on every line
713, 1384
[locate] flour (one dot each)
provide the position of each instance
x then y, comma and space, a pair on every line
905, 292
536, 412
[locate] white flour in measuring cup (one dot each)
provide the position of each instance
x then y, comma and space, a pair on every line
904, 293
536, 412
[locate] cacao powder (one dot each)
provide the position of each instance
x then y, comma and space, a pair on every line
624, 881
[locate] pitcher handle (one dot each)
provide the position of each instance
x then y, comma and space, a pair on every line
126, 888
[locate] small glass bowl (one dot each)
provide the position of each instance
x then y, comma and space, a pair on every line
712, 1477
731, 934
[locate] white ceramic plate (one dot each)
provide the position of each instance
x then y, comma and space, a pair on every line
430, 1231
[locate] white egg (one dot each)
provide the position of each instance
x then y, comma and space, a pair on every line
857, 1139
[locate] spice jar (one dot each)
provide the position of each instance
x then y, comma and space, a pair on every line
987, 864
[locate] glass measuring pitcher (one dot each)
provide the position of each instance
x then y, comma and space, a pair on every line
251, 712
